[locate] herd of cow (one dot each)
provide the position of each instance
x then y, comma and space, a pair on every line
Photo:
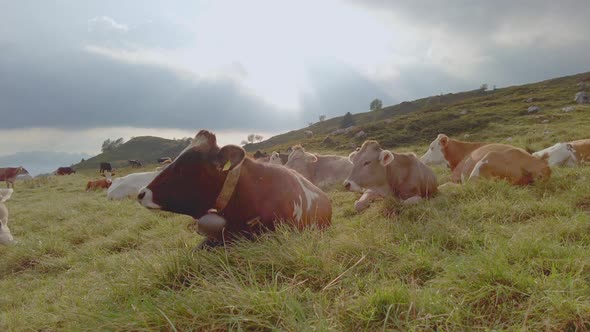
231, 195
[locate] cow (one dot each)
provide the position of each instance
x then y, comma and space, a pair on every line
100, 183
65, 171
506, 162
381, 173
232, 195
275, 158
5, 235
129, 185
9, 174
448, 151
164, 160
567, 154
105, 167
308, 134
135, 163
321, 170
259, 154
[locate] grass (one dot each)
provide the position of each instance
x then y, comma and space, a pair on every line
485, 256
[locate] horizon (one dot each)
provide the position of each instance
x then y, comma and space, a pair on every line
103, 69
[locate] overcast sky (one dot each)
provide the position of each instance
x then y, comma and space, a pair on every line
73, 73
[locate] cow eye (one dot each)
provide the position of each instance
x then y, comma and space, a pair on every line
366, 163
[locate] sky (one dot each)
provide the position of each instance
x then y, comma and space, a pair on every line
74, 73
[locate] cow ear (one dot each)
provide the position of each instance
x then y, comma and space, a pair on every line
570, 147
230, 156
310, 158
443, 139
385, 157
352, 155
5, 194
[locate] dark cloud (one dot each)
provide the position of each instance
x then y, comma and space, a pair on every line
76, 89
336, 89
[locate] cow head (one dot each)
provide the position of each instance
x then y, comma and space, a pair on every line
259, 154
22, 170
275, 158
301, 161
192, 182
369, 167
435, 154
560, 154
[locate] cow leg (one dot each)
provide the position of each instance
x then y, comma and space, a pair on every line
412, 200
365, 200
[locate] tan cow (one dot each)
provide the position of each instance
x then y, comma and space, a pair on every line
321, 170
582, 150
5, 235
505, 162
381, 173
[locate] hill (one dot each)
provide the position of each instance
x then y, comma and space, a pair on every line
147, 149
500, 113
483, 256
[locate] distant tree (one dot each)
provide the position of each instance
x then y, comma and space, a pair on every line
251, 138
376, 105
309, 124
83, 160
347, 120
322, 118
494, 87
258, 138
483, 87
244, 142
109, 145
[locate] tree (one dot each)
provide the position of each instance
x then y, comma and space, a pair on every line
258, 138
347, 120
322, 118
109, 145
376, 105
483, 87
309, 124
251, 138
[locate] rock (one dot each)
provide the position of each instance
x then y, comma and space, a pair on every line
530, 100
307, 134
582, 98
360, 134
328, 141
583, 85
463, 112
349, 129
337, 131
546, 132
389, 121
568, 109
508, 139
534, 109
466, 135
545, 121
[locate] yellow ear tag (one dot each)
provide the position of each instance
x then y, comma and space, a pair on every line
227, 166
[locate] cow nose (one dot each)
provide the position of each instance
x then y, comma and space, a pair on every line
141, 195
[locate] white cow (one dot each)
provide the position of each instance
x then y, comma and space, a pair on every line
5, 236
560, 154
275, 158
128, 186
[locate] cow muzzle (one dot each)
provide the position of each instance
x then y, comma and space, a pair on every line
351, 185
145, 198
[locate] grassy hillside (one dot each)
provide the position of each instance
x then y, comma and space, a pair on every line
147, 149
485, 256
493, 115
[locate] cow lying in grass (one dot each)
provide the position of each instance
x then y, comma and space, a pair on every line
5, 235
321, 170
382, 173
567, 154
232, 195
100, 183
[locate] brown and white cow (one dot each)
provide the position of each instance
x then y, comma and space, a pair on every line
505, 162
9, 174
248, 196
381, 173
582, 150
65, 171
5, 235
100, 183
321, 170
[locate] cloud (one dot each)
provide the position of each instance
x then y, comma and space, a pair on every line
105, 24
82, 90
